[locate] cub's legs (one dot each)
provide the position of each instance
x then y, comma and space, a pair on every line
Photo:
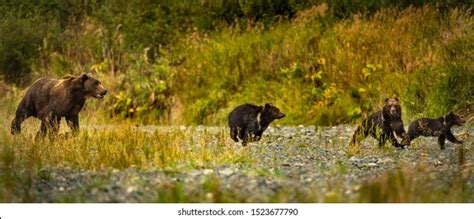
451, 137
233, 134
393, 140
441, 139
244, 135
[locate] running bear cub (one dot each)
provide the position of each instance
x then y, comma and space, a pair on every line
440, 127
50, 99
248, 122
382, 124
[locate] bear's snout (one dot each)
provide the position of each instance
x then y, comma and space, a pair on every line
281, 115
101, 94
393, 110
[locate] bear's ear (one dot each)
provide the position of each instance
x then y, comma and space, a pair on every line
268, 105
84, 76
386, 99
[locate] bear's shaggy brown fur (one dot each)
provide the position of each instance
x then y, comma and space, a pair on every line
439, 127
381, 126
50, 99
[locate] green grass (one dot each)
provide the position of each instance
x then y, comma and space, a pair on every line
317, 70
329, 74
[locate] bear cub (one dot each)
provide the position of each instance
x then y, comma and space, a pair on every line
382, 124
50, 99
440, 127
248, 122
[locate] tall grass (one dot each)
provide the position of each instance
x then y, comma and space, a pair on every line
326, 74
119, 147
317, 69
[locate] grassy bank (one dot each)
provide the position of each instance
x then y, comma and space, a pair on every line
319, 68
331, 74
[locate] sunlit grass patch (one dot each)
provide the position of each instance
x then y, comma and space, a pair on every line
123, 146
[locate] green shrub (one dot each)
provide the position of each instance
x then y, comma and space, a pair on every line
20, 44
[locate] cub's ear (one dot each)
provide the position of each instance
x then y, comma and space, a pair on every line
396, 98
386, 99
268, 105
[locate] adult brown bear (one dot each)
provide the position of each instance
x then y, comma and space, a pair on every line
50, 99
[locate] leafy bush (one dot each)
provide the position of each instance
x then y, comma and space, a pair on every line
20, 46
143, 93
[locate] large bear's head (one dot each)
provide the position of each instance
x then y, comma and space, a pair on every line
88, 85
392, 107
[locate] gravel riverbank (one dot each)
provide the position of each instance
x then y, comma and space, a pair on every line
289, 164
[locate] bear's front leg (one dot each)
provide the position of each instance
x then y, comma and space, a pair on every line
451, 138
73, 123
441, 139
54, 124
49, 125
244, 135
16, 123
400, 132
382, 139
233, 134
43, 128
393, 140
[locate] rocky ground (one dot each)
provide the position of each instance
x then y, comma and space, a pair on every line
290, 164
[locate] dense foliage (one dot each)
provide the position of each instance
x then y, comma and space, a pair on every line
190, 62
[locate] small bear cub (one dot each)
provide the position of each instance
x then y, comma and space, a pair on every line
247, 122
381, 125
440, 127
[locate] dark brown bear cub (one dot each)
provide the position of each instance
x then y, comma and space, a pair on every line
381, 126
248, 122
440, 127
50, 99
